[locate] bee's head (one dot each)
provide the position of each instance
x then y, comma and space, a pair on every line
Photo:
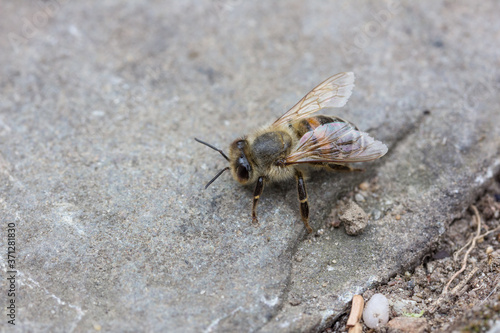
239, 163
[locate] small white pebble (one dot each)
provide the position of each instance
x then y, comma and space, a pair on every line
359, 198
364, 186
376, 313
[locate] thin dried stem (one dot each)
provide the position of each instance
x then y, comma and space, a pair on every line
356, 310
462, 284
466, 256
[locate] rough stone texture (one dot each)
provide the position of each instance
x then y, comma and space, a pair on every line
408, 325
404, 306
354, 219
99, 104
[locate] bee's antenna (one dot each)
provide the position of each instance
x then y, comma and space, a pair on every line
219, 150
216, 176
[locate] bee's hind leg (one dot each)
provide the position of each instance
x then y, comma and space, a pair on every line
343, 168
304, 205
259, 187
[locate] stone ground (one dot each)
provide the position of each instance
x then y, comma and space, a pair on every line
99, 104
417, 298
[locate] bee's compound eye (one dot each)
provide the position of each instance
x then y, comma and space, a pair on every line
241, 166
240, 144
243, 171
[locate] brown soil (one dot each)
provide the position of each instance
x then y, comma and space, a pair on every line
474, 305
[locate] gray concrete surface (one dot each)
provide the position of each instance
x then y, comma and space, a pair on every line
99, 104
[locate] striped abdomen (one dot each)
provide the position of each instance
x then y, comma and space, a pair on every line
310, 124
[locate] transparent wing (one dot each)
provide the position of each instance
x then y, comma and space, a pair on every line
333, 92
336, 143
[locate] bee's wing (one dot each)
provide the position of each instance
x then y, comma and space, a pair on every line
336, 143
333, 92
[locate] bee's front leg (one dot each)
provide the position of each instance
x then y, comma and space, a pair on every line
304, 206
259, 187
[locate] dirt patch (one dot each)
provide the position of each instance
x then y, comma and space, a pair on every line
471, 302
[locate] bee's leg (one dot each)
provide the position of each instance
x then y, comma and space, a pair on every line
343, 168
259, 187
304, 206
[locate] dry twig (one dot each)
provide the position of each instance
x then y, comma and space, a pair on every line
462, 284
466, 256
356, 310
356, 328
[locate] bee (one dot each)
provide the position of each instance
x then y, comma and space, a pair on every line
297, 140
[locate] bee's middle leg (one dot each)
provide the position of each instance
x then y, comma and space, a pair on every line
259, 187
304, 205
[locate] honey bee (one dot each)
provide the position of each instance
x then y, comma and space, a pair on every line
298, 140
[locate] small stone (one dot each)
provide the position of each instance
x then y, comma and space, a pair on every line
408, 325
402, 306
376, 313
417, 299
410, 285
364, 186
376, 214
354, 219
359, 197
298, 259
335, 223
